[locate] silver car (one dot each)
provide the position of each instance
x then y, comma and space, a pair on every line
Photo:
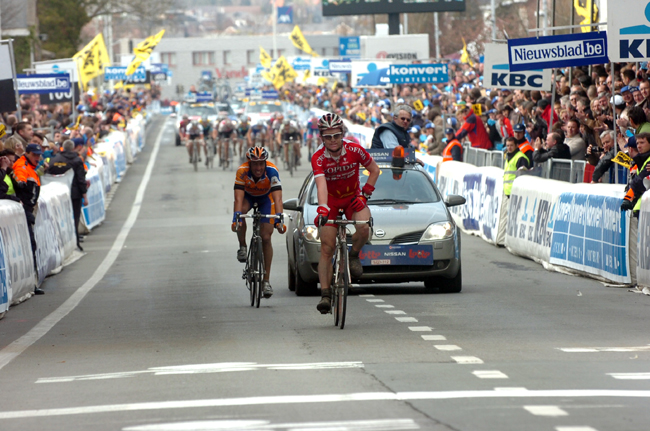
414, 237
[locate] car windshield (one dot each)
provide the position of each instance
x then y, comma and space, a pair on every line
199, 111
263, 108
224, 107
413, 187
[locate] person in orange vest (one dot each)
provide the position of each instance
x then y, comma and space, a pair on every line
522, 142
454, 149
27, 184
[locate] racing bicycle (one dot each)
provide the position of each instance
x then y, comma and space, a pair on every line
254, 270
226, 154
341, 269
290, 162
210, 148
196, 152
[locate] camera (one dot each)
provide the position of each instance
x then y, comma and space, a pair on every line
596, 149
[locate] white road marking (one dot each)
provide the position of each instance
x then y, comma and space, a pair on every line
360, 425
467, 359
604, 349
546, 411
384, 306
225, 367
433, 337
394, 311
325, 398
489, 374
406, 319
17, 347
447, 347
375, 300
630, 376
420, 328
367, 295
572, 428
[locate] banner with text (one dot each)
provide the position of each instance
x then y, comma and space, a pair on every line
628, 30
643, 244
497, 72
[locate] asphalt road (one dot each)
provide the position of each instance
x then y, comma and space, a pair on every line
152, 330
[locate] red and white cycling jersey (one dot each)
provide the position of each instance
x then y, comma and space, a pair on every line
342, 173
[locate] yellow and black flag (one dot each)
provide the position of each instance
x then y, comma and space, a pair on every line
281, 73
265, 58
300, 42
143, 50
92, 59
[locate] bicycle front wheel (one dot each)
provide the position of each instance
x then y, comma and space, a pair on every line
335, 288
291, 160
195, 156
250, 273
259, 271
344, 284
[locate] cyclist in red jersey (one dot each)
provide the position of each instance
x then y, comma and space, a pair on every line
336, 173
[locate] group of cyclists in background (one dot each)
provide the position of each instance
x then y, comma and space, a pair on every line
227, 138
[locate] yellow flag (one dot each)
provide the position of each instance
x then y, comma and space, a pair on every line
623, 160
418, 105
478, 109
584, 12
143, 50
265, 58
464, 57
92, 59
300, 42
306, 75
281, 73
118, 85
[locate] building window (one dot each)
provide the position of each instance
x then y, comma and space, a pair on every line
203, 58
324, 51
280, 53
250, 56
168, 58
227, 57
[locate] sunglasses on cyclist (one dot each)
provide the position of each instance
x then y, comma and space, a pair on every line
332, 136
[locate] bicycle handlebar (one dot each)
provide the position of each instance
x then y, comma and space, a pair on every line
347, 222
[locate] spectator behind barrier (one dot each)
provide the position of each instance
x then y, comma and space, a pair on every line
639, 179
390, 135
574, 141
605, 154
554, 148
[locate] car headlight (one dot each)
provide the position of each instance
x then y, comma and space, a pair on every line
311, 233
438, 231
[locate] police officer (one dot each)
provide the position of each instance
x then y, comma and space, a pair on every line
522, 142
454, 149
515, 160
60, 164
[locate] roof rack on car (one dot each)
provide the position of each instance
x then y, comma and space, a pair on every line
396, 157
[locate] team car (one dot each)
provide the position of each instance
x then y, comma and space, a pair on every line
414, 236
262, 110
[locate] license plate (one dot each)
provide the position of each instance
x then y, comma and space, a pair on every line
396, 255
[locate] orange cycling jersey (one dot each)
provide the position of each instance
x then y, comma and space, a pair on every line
269, 182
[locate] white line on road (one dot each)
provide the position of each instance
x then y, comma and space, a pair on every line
374, 300
604, 349
394, 311
406, 319
546, 411
489, 374
630, 376
467, 359
325, 398
14, 349
225, 367
433, 337
367, 295
420, 328
367, 425
447, 347
572, 428
384, 306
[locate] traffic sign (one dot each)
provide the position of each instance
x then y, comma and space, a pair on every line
350, 47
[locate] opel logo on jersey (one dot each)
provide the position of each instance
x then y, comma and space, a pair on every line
379, 233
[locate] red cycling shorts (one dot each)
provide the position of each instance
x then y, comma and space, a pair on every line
339, 204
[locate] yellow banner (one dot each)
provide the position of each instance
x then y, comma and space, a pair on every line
623, 160
478, 109
464, 57
92, 59
418, 105
300, 42
143, 50
281, 73
584, 12
265, 58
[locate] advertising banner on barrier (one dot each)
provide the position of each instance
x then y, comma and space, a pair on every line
548, 52
628, 30
591, 234
530, 217
48, 250
430, 164
643, 244
18, 249
95, 212
419, 73
4, 278
44, 83
62, 207
498, 75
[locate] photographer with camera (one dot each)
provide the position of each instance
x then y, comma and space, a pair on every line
605, 155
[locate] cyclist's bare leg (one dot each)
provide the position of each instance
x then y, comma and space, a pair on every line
296, 150
328, 242
266, 230
241, 232
362, 233
189, 145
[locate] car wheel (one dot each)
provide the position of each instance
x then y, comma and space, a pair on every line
446, 285
291, 277
304, 288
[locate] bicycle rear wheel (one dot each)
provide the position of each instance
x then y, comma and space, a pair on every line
335, 288
259, 271
344, 284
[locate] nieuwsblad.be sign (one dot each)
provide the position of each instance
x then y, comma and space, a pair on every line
497, 72
628, 30
548, 52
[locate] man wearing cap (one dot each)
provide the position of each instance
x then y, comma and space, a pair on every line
27, 184
414, 133
60, 164
523, 144
454, 149
515, 160
434, 146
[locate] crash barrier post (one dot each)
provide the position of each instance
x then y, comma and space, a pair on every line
579, 227
643, 244
54, 229
482, 187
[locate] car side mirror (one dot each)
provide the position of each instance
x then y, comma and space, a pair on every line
454, 200
291, 205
